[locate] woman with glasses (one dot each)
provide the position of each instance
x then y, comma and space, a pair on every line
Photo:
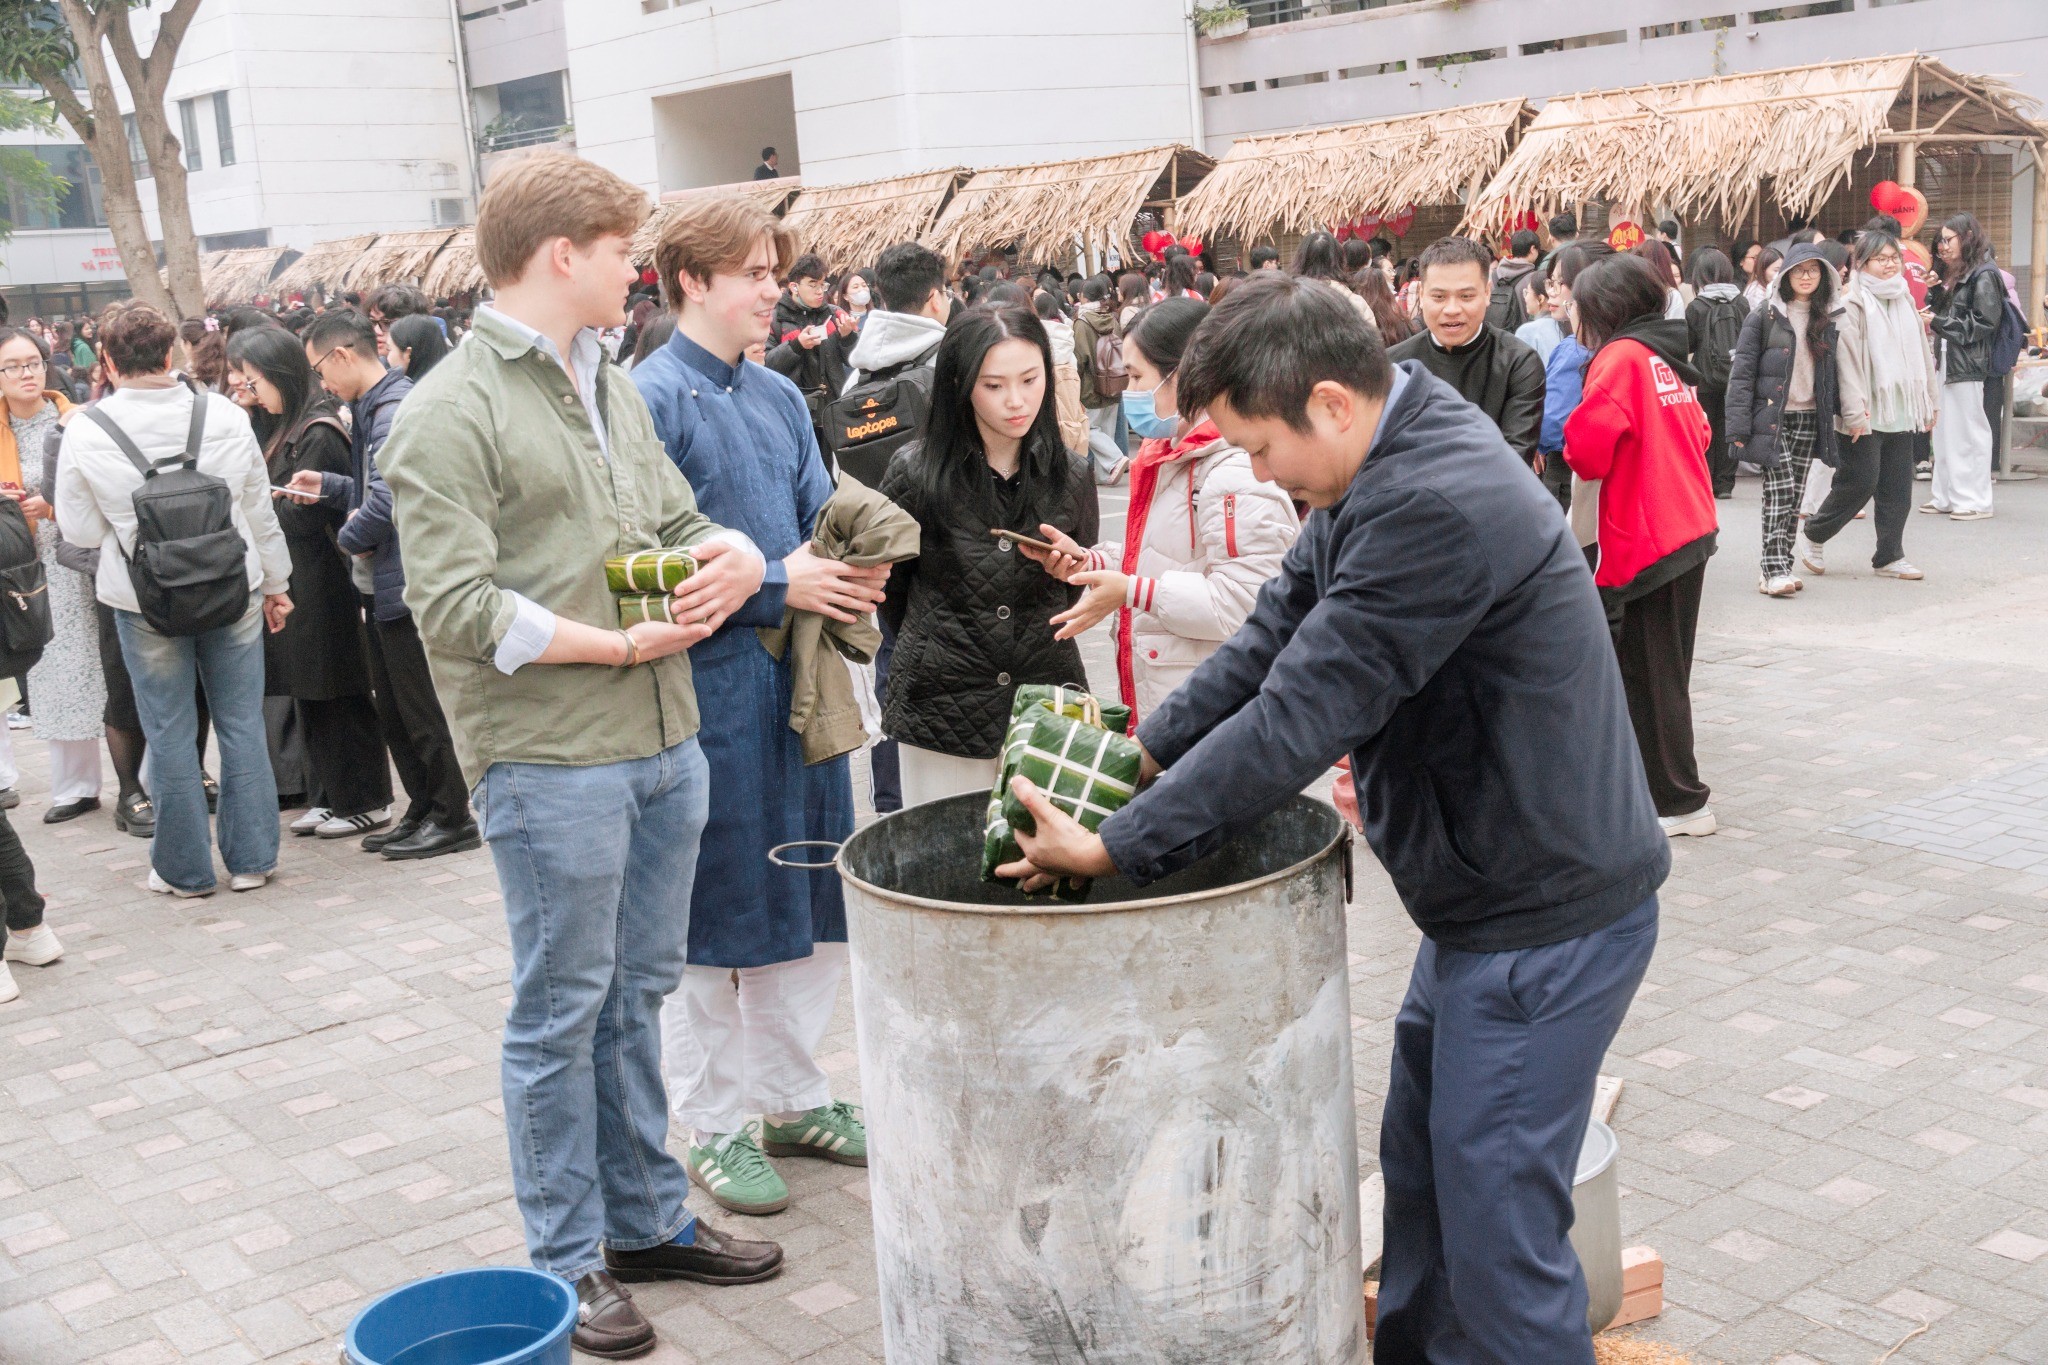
70, 695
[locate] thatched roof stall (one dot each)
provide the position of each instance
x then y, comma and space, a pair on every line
1041, 208
397, 257
853, 224
454, 269
324, 266
1314, 178
773, 195
1706, 148
240, 274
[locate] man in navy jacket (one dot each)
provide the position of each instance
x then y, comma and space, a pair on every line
1437, 622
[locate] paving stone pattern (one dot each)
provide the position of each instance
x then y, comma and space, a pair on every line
2001, 821
225, 1124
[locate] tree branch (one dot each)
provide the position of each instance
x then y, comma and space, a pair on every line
170, 34
61, 94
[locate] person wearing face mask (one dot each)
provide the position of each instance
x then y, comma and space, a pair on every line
972, 617
1890, 392
1203, 535
1783, 399
855, 296
1489, 368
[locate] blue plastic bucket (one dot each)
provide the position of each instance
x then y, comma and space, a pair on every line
497, 1315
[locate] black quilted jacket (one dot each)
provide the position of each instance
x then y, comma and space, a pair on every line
973, 616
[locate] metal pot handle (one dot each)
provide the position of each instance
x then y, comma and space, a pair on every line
775, 855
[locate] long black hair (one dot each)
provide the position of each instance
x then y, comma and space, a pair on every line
279, 357
421, 338
1180, 276
1161, 332
1711, 266
1976, 249
1612, 292
1318, 258
953, 464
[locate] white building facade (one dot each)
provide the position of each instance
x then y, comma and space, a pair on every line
674, 94
301, 121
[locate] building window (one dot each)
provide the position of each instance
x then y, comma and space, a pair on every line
1619, 35
138, 159
528, 111
1479, 54
188, 133
223, 128
1211, 91
1289, 82
77, 207
1243, 87
653, 6
1707, 25
1772, 16
1352, 73
234, 241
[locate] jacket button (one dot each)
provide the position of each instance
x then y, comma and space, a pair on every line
1005, 546
1003, 679
1002, 613
568, 399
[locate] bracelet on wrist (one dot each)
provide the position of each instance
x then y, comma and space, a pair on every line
632, 651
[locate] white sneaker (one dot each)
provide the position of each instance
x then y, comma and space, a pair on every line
1899, 568
1812, 557
8, 990
310, 821
248, 881
1778, 585
38, 947
344, 826
164, 888
17, 720
1700, 822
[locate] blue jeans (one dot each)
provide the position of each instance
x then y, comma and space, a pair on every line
1495, 1059
229, 661
596, 866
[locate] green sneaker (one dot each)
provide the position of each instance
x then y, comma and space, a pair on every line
736, 1175
834, 1133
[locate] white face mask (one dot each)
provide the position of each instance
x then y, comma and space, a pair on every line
857, 295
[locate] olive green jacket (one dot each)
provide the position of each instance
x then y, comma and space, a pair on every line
498, 483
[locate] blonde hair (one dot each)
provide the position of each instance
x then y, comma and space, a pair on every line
548, 195
715, 235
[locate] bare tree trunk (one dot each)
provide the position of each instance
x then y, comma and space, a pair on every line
100, 128
147, 79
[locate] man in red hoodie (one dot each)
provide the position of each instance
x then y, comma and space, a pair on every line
1640, 430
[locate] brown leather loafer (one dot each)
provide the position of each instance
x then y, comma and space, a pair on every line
715, 1259
607, 1323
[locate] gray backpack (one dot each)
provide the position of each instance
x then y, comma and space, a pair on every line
189, 565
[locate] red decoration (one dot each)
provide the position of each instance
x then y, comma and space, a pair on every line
1399, 223
648, 276
1343, 232
1912, 210
1193, 244
1625, 237
1365, 225
1156, 241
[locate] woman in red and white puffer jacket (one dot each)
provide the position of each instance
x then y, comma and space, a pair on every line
1202, 536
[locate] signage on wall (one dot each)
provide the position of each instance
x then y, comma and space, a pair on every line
103, 258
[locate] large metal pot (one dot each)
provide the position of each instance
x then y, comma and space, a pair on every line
1118, 1131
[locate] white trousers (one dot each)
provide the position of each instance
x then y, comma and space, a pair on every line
1962, 450
10, 771
931, 776
74, 769
731, 1049
1819, 479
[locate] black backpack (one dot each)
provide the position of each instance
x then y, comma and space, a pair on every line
189, 566
1504, 307
1720, 329
25, 624
865, 426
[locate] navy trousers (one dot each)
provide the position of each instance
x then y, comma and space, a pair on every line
1495, 1059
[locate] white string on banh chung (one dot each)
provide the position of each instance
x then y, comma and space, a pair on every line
1060, 762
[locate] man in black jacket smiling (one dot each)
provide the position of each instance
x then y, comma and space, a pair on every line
1436, 621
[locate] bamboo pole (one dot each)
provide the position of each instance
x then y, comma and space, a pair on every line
2037, 267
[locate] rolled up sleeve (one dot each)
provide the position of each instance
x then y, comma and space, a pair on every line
527, 638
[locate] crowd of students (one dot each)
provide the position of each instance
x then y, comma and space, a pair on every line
423, 499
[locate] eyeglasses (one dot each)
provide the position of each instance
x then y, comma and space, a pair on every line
325, 358
22, 370
241, 386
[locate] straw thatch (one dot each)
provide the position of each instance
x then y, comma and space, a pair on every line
238, 275
1300, 181
1707, 146
397, 256
324, 266
773, 195
852, 224
1042, 208
454, 269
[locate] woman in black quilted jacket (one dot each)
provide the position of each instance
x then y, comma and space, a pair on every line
973, 617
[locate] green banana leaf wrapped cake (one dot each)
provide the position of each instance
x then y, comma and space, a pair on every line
648, 571
1065, 708
635, 607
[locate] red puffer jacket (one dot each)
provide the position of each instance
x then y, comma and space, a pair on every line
1641, 431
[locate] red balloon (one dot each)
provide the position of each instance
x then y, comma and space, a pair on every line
1193, 244
1156, 241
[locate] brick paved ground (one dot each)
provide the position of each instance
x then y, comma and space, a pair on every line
224, 1124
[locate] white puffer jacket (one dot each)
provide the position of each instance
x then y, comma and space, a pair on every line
1207, 538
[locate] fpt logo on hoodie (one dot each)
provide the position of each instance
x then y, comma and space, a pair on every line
1671, 390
